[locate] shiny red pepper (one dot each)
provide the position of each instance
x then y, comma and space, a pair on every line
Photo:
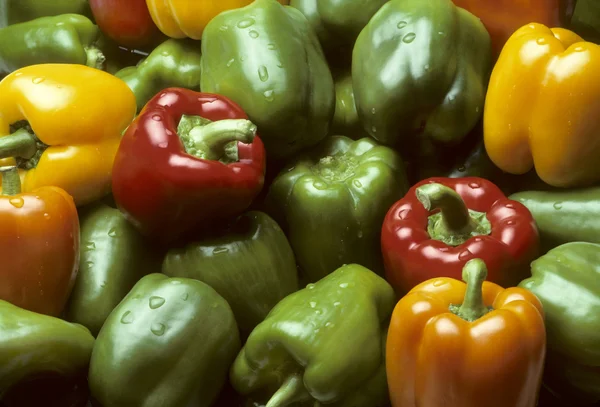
441, 223
189, 160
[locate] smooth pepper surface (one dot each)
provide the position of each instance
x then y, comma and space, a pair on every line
19, 11
420, 70
331, 203
169, 343
324, 343
345, 119
266, 58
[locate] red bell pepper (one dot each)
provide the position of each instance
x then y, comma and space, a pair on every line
187, 160
441, 223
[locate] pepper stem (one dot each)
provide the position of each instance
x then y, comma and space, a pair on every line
22, 143
455, 223
474, 274
11, 182
95, 57
291, 391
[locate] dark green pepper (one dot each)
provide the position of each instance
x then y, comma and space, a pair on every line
251, 265
68, 38
324, 344
113, 257
332, 200
266, 58
345, 119
567, 282
32, 343
420, 71
564, 216
169, 343
174, 63
586, 20
20, 11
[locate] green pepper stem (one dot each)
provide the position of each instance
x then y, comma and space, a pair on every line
437, 196
210, 141
474, 274
95, 57
21, 143
291, 391
11, 182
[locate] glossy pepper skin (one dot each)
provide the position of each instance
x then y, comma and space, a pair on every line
189, 158
67, 39
174, 63
40, 246
74, 146
567, 282
269, 61
249, 263
330, 340
169, 343
32, 343
448, 344
442, 223
420, 70
181, 18
113, 257
541, 70
502, 18
332, 201
345, 119
20, 11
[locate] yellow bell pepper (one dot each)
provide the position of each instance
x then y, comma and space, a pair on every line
187, 18
542, 107
62, 124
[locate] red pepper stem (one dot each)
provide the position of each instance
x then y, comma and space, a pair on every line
454, 211
210, 140
11, 182
474, 274
290, 392
21, 143
95, 58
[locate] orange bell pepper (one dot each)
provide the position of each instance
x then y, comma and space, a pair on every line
542, 110
62, 124
187, 18
503, 17
474, 345
39, 246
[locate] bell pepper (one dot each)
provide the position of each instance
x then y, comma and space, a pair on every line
564, 216
586, 20
188, 159
331, 203
420, 70
113, 257
345, 119
442, 223
266, 58
249, 263
32, 343
502, 18
40, 242
69, 39
174, 63
126, 22
325, 342
169, 343
58, 133
20, 11
567, 282
539, 72
181, 19
466, 345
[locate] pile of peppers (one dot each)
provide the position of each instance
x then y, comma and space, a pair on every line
300, 203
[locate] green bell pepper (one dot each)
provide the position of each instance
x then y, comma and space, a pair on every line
332, 200
564, 216
113, 257
20, 11
32, 343
420, 71
266, 58
251, 265
68, 38
174, 63
324, 343
567, 282
586, 20
345, 119
169, 343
